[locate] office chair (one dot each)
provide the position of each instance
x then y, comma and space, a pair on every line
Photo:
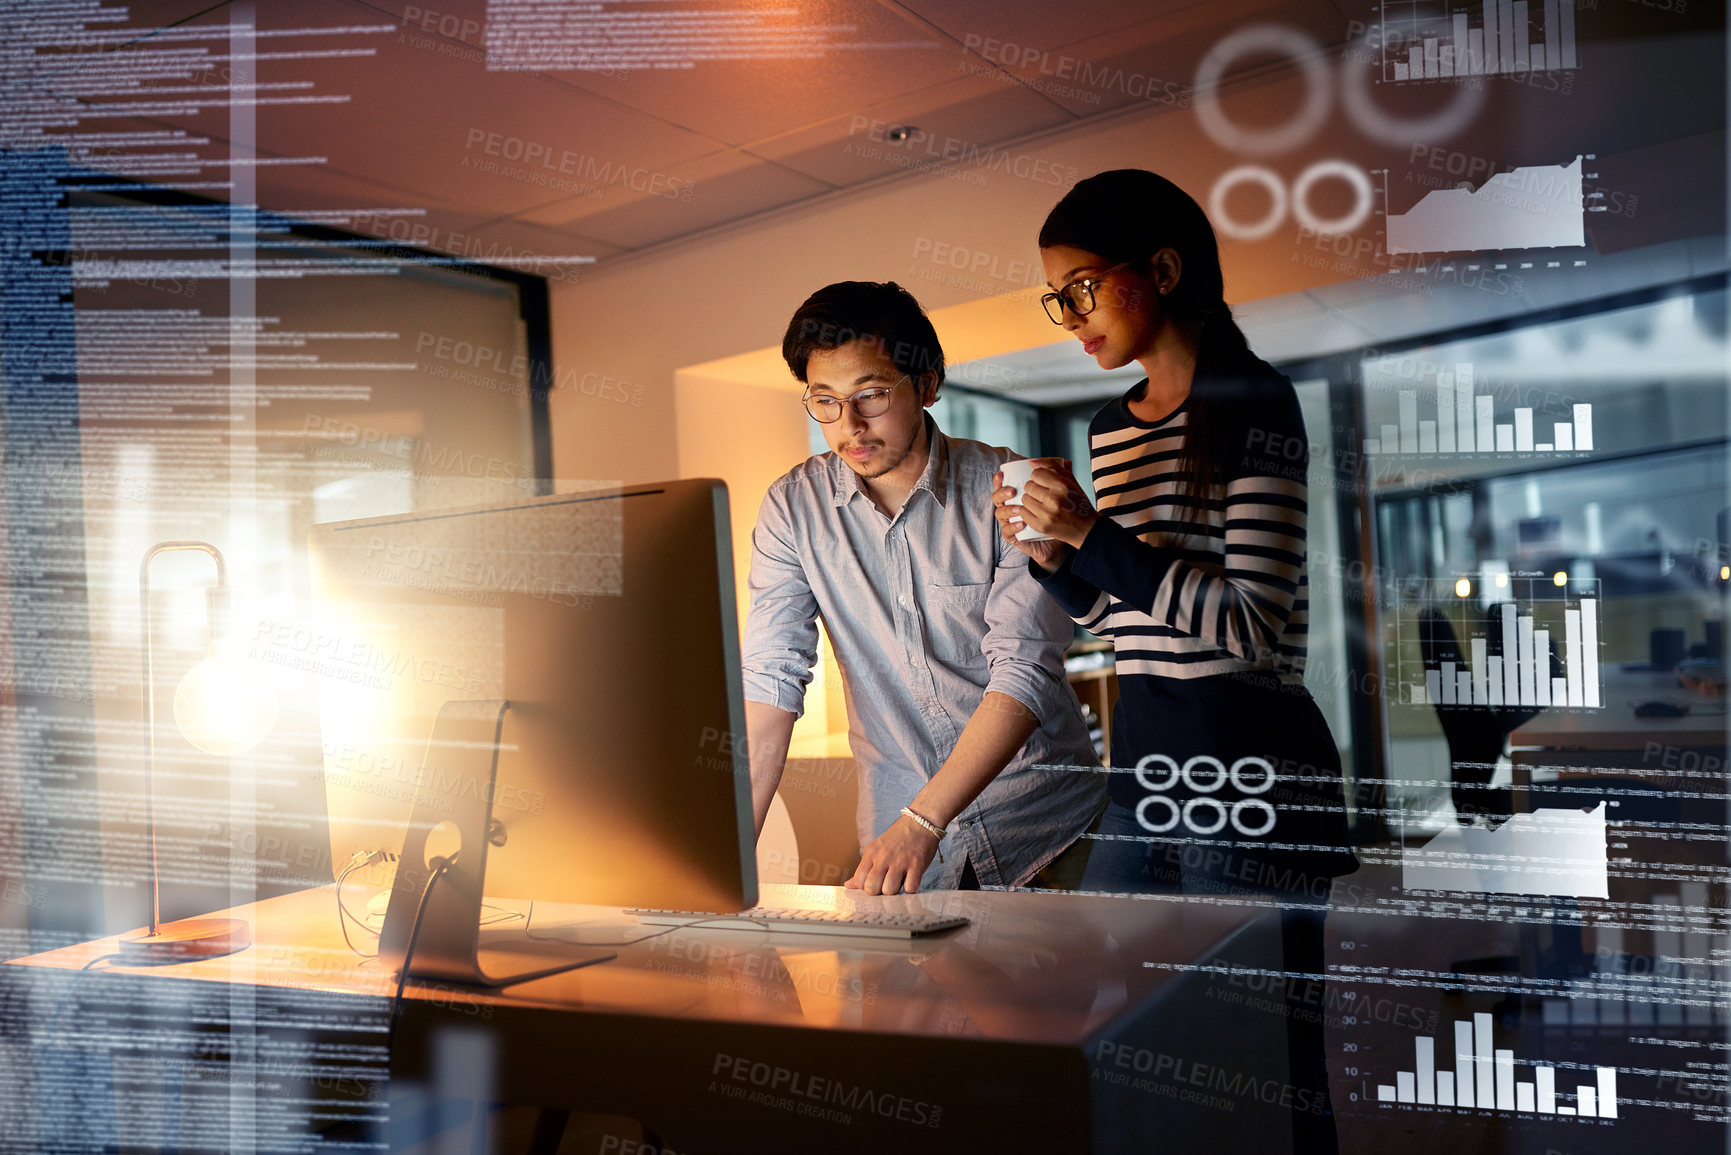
1475, 735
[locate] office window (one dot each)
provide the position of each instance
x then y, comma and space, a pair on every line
1077, 449
339, 382
1326, 661
1566, 478
988, 419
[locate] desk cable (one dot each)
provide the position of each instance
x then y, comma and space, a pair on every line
361, 859
365, 858
54, 1020
440, 867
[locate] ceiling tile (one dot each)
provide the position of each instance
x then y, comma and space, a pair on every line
437, 121
1040, 24
878, 52
1091, 67
964, 115
714, 190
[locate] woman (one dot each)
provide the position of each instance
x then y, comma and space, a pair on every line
1225, 777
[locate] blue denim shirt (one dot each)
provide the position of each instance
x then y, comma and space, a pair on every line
927, 611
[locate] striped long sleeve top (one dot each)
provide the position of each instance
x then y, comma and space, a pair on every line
1184, 596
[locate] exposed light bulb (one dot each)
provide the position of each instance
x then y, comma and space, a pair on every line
227, 703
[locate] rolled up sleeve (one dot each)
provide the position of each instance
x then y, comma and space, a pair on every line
1026, 635
781, 629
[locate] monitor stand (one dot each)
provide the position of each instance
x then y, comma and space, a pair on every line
452, 818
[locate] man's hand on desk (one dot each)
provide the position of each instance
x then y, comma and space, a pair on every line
894, 861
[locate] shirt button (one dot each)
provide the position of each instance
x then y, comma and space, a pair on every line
902, 600
913, 660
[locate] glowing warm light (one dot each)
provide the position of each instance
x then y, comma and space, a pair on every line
227, 703
1560, 578
1502, 581
1463, 588
1725, 573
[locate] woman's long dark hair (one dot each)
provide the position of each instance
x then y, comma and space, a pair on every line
1128, 215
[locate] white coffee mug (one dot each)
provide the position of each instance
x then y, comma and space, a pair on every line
1016, 476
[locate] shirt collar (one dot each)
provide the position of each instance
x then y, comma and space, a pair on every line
934, 478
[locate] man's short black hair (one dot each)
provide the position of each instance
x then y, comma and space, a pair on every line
882, 313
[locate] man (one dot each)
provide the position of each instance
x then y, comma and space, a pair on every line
951, 654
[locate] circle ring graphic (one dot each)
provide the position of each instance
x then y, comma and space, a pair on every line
1190, 809
1171, 765
1190, 774
1400, 131
1247, 174
1279, 40
1142, 818
1264, 764
1249, 803
1362, 202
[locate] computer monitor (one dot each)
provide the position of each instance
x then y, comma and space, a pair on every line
552, 687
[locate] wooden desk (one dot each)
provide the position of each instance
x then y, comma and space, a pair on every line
1677, 756
1616, 728
1040, 1026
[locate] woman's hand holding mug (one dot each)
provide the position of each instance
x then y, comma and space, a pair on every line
1050, 504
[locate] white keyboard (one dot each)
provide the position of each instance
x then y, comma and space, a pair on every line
875, 924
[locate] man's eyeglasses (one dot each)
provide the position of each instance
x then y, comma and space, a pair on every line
1078, 295
873, 402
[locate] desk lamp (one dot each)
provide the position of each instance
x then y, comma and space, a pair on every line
223, 708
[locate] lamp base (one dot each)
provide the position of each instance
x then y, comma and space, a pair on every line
188, 940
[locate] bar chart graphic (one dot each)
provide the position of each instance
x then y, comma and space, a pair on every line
1483, 1076
1454, 419
1534, 207
1445, 41
1511, 650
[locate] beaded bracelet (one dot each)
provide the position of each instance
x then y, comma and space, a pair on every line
929, 826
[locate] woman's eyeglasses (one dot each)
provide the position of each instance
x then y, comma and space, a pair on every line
873, 402
1077, 296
